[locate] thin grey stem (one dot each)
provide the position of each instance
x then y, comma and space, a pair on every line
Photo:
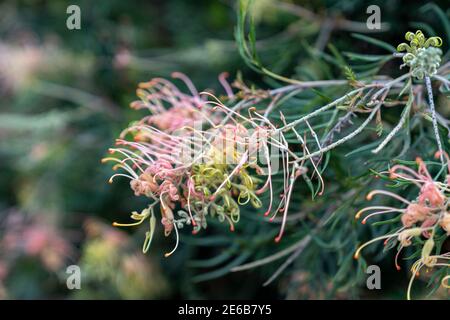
397, 127
342, 123
442, 79
320, 110
433, 117
346, 138
385, 86
308, 84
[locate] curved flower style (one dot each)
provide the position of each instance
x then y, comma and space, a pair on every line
417, 41
426, 217
196, 158
421, 56
171, 109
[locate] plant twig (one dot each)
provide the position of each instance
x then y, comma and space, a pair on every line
433, 117
346, 138
405, 114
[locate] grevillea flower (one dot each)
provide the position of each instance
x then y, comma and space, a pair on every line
29, 237
425, 217
170, 108
421, 56
195, 157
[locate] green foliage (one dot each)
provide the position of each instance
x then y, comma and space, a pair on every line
65, 103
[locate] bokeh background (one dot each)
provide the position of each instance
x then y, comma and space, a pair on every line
64, 99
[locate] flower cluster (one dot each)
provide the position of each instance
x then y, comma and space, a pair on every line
422, 56
195, 158
170, 108
425, 219
23, 236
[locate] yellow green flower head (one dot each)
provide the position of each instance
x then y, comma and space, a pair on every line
417, 41
422, 55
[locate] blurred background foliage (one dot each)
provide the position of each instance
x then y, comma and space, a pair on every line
64, 99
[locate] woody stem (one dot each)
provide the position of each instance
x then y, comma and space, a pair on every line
433, 116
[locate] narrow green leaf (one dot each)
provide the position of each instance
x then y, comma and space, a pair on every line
376, 42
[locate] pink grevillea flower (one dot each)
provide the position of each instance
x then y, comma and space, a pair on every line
171, 108
430, 199
172, 160
152, 169
423, 216
195, 157
35, 239
445, 223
